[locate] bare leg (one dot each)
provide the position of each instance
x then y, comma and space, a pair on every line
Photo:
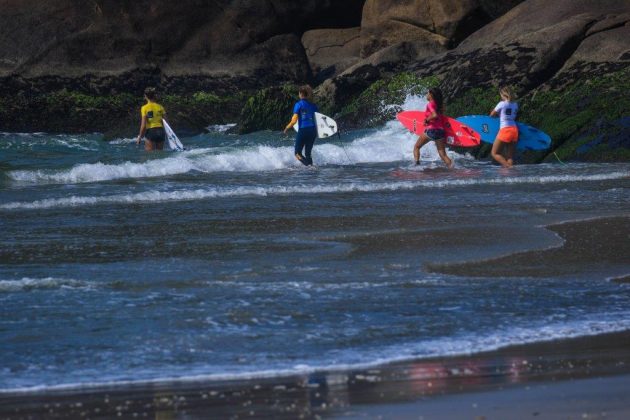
149, 145
441, 148
422, 140
496, 148
509, 153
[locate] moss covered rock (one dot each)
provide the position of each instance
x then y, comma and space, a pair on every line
115, 115
381, 101
588, 120
268, 109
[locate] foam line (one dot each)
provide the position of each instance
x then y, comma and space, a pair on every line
440, 347
261, 191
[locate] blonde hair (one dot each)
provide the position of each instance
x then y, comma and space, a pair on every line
507, 93
306, 91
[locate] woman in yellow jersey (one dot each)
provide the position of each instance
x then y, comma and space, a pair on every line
151, 126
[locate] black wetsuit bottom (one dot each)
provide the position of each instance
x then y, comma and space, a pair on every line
156, 134
304, 140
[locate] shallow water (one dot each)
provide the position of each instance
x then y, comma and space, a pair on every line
232, 260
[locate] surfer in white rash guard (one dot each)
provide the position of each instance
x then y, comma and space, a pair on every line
508, 132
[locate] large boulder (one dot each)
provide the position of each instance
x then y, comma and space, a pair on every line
440, 23
331, 51
531, 43
525, 47
30, 29
605, 49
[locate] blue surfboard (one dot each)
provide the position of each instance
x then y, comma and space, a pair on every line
529, 138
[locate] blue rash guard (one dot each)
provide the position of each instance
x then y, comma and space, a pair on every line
306, 113
307, 133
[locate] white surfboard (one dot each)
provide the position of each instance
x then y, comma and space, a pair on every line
326, 126
171, 137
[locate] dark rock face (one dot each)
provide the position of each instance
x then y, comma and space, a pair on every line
529, 46
110, 47
331, 51
443, 23
188, 37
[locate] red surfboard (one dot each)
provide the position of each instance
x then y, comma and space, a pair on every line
457, 134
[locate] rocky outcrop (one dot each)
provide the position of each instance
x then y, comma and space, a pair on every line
536, 47
526, 47
331, 51
440, 23
223, 38
605, 48
107, 48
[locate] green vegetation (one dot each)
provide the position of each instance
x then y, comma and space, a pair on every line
268, 109
584, 112
476, 101
197, 99
115, 114
72, 101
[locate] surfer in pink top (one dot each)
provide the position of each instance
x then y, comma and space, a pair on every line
434, 127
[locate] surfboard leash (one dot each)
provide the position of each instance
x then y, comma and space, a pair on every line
556, 155
343, 147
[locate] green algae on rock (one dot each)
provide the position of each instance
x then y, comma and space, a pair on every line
268, 109
380, 102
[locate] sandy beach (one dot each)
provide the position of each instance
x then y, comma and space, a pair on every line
588, 246
577, 378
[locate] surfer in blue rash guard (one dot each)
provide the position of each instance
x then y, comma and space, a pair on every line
304, 114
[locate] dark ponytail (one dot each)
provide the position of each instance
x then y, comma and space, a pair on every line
437, 96
151, 94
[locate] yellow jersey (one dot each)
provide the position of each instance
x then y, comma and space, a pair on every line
154, 113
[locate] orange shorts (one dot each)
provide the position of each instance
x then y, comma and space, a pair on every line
508, 134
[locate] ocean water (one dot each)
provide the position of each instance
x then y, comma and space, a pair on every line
232, 260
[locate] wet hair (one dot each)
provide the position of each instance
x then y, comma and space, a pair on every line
437, 96
508, 93
306, 91
150, 93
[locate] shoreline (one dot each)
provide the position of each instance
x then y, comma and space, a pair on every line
566, 366
338, 393
589, 245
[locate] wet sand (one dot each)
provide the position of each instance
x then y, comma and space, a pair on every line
597, 398
589, 246
561, 379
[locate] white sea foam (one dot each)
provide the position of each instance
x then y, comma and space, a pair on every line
41, 283
350, 359
220, 128
261, 191
390, 143
123, 141
30, 141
